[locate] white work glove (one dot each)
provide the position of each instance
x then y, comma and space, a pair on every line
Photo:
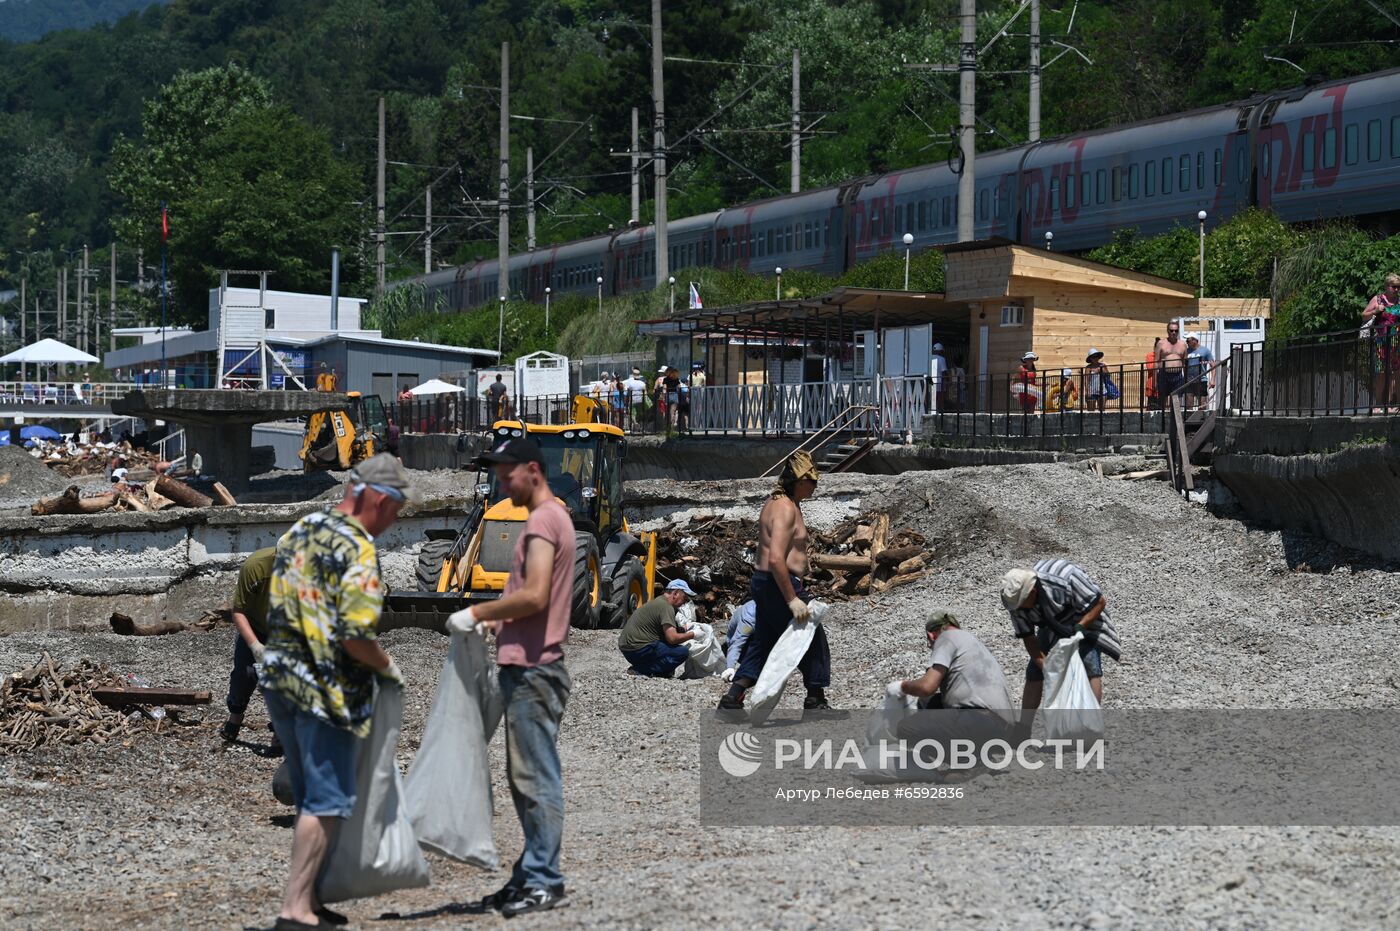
464, 622
390, 673
258, 650
799, 609
728, 674
895, 689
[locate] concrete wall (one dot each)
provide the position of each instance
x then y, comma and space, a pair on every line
1334, 477
73, 571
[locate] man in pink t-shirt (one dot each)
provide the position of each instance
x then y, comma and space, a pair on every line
531, 619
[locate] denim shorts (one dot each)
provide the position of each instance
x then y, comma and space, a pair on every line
1088, 652
320, 759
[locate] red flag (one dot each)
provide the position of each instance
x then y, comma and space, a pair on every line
164, 225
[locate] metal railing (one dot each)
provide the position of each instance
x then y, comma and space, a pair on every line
61, 392
1346, 373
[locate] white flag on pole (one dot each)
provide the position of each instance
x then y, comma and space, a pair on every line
695, 303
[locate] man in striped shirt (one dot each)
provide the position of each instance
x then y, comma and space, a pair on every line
1052, 602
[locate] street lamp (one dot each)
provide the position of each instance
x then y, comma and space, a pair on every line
908, 248
1201, 216
671, 281
500, 326
546, 310
1049, 240
778, 296
600, 294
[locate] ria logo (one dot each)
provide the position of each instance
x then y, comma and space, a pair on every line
739, 754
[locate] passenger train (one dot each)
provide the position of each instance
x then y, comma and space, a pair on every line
1326, 150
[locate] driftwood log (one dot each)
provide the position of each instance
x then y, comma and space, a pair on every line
182, 494
71, 503
222, 497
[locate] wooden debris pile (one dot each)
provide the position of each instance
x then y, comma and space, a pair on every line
47, 704
158, 494
863, 557
72, 460
860, 557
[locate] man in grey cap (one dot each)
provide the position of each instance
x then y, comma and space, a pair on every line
321, 658
1052, 602
651, 641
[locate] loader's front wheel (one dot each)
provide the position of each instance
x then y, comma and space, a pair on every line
430, 560
627, 592
588, 583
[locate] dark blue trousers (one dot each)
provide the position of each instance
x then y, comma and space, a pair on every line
658, 659
771, 618
243, 681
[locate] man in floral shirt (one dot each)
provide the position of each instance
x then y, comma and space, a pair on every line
321, 660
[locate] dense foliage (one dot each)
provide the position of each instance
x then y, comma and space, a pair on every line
26, 20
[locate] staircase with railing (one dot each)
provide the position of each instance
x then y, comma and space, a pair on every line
840, 443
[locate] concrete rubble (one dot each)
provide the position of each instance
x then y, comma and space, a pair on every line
178, 830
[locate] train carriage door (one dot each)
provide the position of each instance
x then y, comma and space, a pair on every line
846, 202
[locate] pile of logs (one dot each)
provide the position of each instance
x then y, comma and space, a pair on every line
46, 704
159, 493
862, 557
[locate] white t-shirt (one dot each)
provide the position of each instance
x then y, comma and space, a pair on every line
937, 365
636, 388
118, 475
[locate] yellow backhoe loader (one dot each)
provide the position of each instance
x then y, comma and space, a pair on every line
614, 568
340, 439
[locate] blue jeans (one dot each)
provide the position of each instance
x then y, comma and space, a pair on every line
243, 680
321, 759
658, 659
534, 698
771, 618
1088, 652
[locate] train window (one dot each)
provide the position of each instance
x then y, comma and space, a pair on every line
826, 233
1132, 182
806, 235
1200, 171
1373, 141
1265, 159
1167, 169
1241, 169
771, 249
1395, 137
1218, 164
922, 216
1183, 183
1054, 196
1329, 147
1352, 138
982, 204
1117, 186
1308, 144
1069, 190
946, 214
1149, 178
791, 239
1086, 190
1100, 186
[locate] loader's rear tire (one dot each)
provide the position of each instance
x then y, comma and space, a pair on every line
430, 559
627, 592
588, 583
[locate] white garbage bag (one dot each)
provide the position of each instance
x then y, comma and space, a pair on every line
448, 790
706, 656
374, 851
1075, 712
883, 726
685, 616
781, 662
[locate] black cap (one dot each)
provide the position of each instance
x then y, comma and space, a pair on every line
514, 449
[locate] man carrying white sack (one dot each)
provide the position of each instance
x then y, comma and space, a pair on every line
1053, 602
963, 692
531, 621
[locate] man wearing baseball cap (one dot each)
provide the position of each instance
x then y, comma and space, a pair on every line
651, 641
531, 621
321, 658
1051, 602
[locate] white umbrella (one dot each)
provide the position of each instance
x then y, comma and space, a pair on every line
47, 351
435, 386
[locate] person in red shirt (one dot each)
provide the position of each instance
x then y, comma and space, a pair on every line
531, 621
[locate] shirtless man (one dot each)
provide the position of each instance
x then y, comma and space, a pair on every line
777, 592
1171, 363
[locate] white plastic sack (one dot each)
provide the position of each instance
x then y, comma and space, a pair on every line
706, 657
374, 851
781, 662
882, 727
685, 616
448, 790
1075, 710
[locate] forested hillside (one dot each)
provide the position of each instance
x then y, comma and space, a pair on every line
271, 150
26, 20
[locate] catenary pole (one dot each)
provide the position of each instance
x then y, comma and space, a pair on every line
530, 198
379, 231
636, 172
967, 119
503, 195
658, 153
112, 303
1034, 131
428, 229
796, 121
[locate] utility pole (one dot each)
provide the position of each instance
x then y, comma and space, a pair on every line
636, 173
379, 207
112, 298
503, 197
83, 342
658, 149
967, 120
530, 199
62, 317
796, 121
1034, 133
428, 230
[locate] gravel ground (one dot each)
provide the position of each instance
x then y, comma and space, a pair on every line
174, 831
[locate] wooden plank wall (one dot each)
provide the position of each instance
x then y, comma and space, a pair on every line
1068, 323
977, 276
1005, 345
1039, 268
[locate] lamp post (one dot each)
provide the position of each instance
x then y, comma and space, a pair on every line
546, 310
1049, 240
500, 326
908, 249
1201, 216
778, 291
600, 294
671, 282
